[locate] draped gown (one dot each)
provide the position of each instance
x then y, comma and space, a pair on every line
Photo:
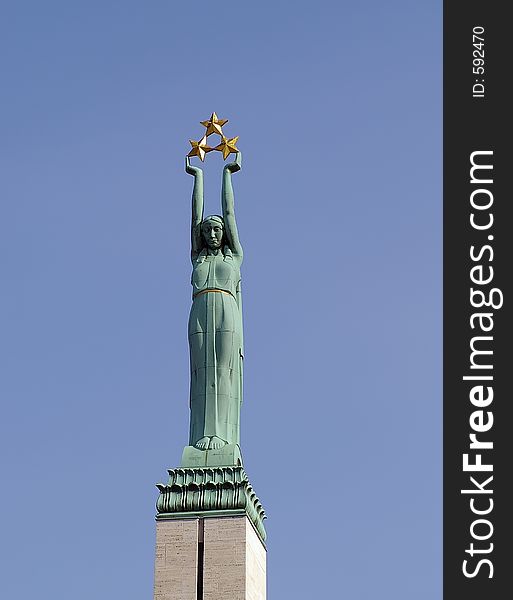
215, 342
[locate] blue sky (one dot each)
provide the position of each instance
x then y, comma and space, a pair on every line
338, 109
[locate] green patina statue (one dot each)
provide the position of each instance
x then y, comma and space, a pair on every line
215, 322
211, 480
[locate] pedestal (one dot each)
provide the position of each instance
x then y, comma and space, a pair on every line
210, 536
209, 558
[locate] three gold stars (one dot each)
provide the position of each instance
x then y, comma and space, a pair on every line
214, 126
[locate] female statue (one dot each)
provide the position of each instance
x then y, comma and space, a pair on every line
215, 322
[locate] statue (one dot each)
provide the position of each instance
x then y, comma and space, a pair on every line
211, 479
215, 321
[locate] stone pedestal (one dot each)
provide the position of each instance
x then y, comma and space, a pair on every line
209, 558
210, 535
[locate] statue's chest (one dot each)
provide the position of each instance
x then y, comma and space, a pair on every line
214, 272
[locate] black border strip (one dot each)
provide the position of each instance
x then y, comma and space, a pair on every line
476, 119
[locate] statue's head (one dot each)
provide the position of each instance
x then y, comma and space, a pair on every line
212, 230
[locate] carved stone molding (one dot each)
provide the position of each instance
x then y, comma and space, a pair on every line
210, 490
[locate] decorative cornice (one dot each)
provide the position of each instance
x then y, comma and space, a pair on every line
208, 489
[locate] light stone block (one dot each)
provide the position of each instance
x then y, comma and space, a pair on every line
176, 560
234, 560
256, 555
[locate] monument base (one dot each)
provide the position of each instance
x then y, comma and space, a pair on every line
208, 558
210, 535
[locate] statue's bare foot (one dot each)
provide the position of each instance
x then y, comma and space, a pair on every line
216, 443
203, 443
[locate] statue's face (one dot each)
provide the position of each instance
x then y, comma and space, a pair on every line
213, 233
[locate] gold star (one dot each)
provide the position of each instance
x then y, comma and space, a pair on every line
199, 148
214, 125
227, 146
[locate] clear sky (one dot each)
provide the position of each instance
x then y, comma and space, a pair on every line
338, 109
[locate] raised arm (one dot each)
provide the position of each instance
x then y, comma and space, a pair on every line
227, 203
197, 205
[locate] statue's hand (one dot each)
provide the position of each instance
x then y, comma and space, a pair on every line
236, 165
191, 169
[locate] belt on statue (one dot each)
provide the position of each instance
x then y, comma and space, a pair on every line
215, 290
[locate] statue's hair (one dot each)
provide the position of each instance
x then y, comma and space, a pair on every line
216, 218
